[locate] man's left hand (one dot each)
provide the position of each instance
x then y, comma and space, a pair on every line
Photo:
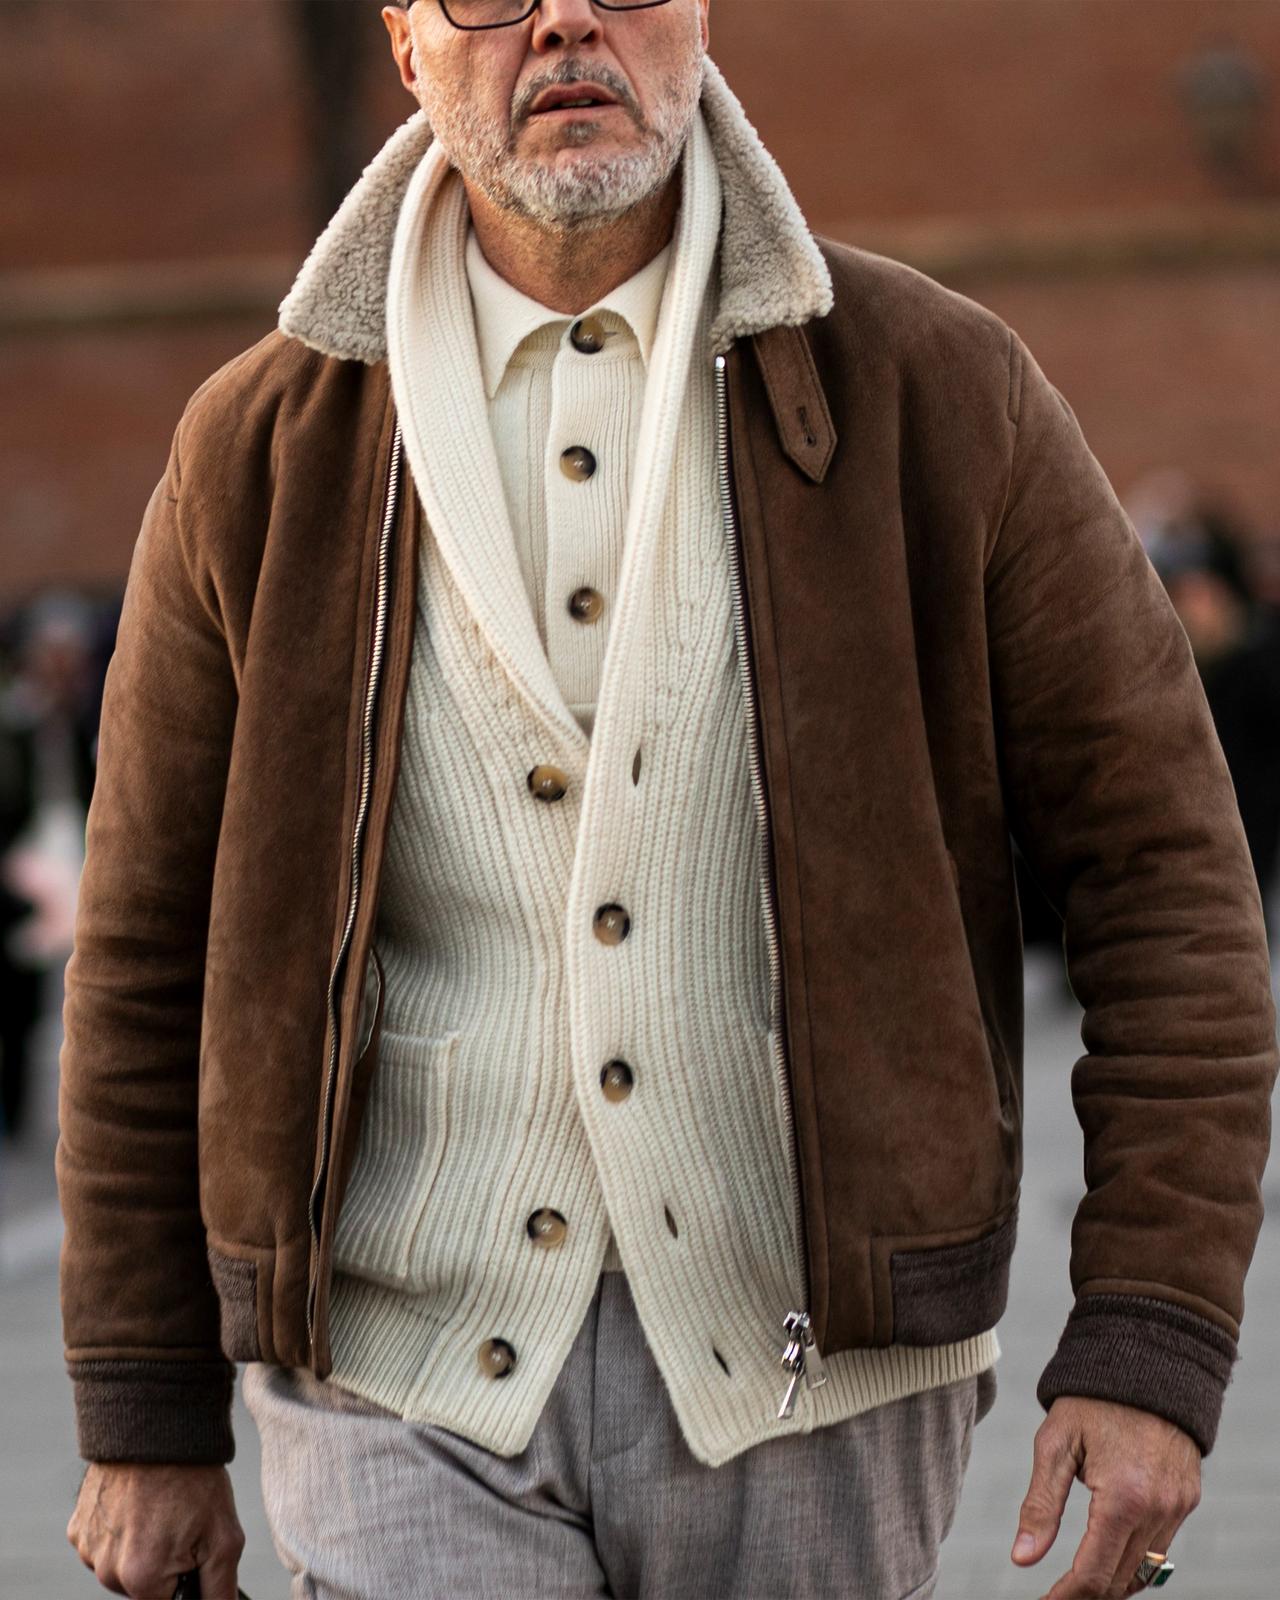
1144, 1477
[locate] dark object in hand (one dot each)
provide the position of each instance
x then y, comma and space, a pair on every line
189, 1587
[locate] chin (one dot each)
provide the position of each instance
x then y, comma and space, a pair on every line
578, 183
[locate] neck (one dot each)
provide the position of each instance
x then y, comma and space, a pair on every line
569, 268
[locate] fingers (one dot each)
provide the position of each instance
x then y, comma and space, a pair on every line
74, 1540
1106, 1534
218, 1572
141, 1576
1118, 1535
1123, 1582
1055, 1462
1159, 1537
140, 1580
1143, 1474
1164, 1511
137, 1526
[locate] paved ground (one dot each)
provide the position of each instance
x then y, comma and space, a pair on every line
1227, 1550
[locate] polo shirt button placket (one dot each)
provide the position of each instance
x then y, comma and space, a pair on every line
587, 336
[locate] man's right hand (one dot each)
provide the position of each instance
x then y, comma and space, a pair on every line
138, 1525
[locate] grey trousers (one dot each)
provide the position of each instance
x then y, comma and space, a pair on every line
606, 1499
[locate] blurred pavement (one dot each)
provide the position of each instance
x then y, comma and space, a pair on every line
1227, 1550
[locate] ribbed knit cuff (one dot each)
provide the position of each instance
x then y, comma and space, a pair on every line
1147, 1353
177, 1411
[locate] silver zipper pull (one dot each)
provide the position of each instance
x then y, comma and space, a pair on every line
793, 1360
801, 1358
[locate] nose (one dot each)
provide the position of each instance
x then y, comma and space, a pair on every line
558, 22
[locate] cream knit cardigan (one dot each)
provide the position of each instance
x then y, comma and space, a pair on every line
502, 1005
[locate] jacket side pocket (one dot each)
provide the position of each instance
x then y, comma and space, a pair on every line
236, 1282
943, 1293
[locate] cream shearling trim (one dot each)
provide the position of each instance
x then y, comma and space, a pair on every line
771, 270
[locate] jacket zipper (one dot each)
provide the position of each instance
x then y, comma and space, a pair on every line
353, 897
800, 1355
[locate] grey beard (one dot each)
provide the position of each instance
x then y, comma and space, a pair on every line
586, 194
589, 192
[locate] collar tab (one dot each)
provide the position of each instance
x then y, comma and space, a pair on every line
800, 412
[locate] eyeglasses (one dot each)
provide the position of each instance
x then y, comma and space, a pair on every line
475, 14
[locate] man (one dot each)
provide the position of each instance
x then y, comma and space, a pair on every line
584, 1083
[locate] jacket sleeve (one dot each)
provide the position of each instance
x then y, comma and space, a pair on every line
140, 1315
1118, 793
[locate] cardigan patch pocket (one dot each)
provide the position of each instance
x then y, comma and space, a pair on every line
398, 1156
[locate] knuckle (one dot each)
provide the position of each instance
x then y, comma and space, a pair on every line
1131, 1499
1172, 1507
1047, 1444
228, 1542
135, 1576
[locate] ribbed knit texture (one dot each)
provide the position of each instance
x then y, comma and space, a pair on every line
501, 1004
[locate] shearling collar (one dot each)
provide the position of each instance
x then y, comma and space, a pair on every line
771, 270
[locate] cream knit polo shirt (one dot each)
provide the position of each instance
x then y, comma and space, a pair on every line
540, 387
577, 1030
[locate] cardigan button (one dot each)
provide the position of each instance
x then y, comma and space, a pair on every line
587, 334
616, 1079
585, 604
547, 1228
611, 924
577, 463
547, 782
496, 1358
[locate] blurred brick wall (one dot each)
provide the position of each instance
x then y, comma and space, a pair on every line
1035, 154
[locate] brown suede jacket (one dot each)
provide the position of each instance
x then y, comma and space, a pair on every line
954, 635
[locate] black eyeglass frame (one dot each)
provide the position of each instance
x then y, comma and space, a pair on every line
605, 5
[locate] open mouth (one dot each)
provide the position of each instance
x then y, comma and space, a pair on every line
575, 100
572, 108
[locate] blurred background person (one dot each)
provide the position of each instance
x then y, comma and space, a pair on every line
48, 729
1203, 559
